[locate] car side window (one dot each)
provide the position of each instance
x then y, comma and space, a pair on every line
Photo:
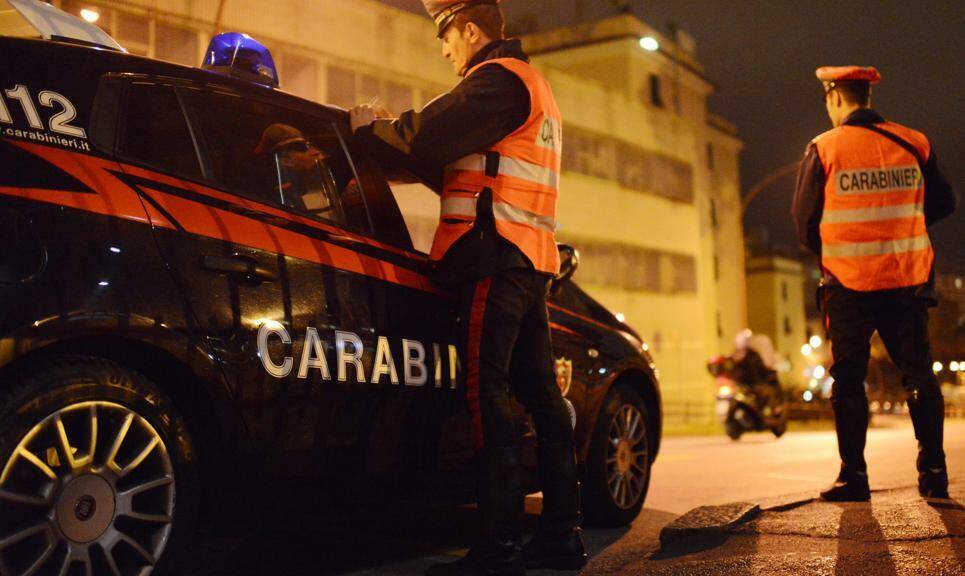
154, 132
277, 156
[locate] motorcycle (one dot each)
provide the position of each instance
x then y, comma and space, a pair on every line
744, 407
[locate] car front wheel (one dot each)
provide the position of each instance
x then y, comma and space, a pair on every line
97, 472
618, 464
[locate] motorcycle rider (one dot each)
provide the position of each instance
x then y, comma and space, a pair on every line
753, 360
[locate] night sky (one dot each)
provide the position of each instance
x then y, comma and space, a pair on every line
762, 55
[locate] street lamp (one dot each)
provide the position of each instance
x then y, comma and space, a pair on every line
90, 15
649, 43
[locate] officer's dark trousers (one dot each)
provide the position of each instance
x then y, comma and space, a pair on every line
506, 348
901, 320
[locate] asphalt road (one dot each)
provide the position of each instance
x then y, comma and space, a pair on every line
389, 540
695, 471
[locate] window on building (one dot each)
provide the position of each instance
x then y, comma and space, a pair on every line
634, 268
713, 213
710, 156
299, 76
783, 290
788, 329
133, 32
278, 156
716, 267
398, 97
153, 131
340, 85
632, 167
369, 87
656, 96
178, 45
684, 274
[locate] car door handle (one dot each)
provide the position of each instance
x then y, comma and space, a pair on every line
238, 265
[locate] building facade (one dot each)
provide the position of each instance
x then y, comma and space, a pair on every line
776, 303
650, 184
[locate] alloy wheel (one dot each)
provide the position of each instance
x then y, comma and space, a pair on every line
627, 456
88, 490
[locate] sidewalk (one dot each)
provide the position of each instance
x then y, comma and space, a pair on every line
897, 533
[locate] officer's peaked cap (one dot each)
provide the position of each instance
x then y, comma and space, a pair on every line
840, 74
444, 11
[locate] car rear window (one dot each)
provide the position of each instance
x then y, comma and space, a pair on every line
154, 132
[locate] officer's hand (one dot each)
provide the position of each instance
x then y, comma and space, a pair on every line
382, 112
361, 115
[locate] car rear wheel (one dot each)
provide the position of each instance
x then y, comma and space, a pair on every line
97, 473
618, 464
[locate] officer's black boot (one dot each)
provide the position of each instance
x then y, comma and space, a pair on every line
851, 425
500, 549
558, 543
928, 418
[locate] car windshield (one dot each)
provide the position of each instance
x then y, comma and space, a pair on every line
35, 19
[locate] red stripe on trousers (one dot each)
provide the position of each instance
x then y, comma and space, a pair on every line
476, 316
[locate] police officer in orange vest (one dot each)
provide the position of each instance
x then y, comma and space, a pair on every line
867, 191
493, 146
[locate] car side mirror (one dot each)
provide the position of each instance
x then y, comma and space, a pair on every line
569, 262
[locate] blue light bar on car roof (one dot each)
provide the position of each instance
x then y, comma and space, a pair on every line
241, 56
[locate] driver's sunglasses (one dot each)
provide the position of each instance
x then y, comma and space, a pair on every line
296, 146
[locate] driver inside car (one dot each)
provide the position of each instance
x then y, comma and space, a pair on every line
300, 173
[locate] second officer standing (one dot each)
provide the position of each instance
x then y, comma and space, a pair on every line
867, 191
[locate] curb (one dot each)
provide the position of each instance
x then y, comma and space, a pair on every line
706, 522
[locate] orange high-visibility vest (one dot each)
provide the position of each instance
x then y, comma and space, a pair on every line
873, 234
522, 170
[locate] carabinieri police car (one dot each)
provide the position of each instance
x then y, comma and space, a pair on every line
201, 279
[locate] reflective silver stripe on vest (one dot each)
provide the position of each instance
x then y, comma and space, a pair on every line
510, 167
458, 206
510, 213
876, 248
455, 206
872, 214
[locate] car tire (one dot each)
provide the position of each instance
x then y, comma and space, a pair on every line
98, 472
618, 473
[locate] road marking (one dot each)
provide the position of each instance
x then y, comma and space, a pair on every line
795, 477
